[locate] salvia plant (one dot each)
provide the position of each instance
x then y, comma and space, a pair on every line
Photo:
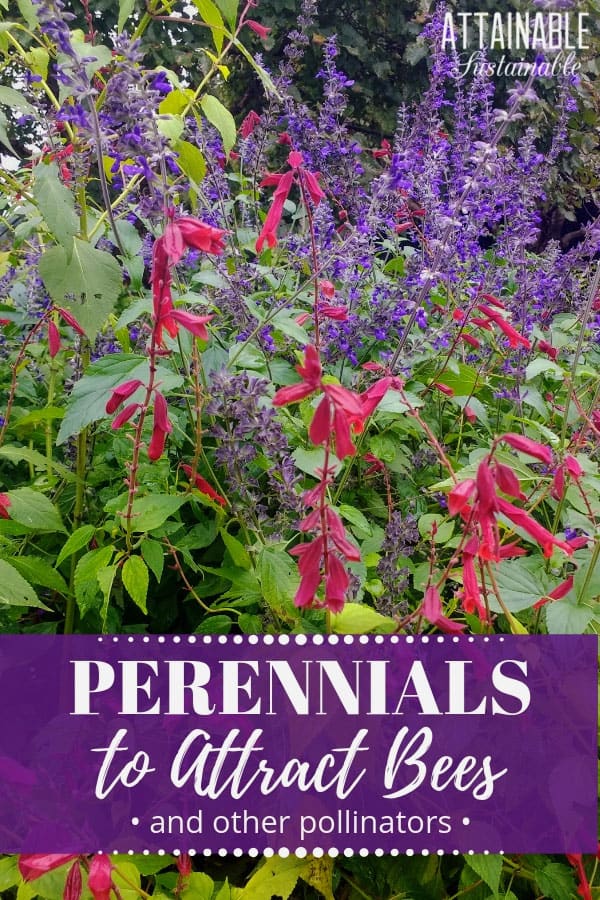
258, 376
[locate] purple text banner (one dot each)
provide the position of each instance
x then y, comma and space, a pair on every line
298, 741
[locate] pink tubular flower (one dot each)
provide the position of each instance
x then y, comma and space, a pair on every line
204, 487
161, 427
336, 585
125, 415
53, 339
460, 495
584, 889
122, 393
73, 884
261, 30
528, 446
514, 338
100, 877
431, 608
71, 320
33, 865
507, 481
310, 373
283, 185
249, 124
201, 236
540, 535
196, 325
561, 590
4, 504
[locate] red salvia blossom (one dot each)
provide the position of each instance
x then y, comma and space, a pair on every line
261, 30
4, 504
53, 338
540, 535
181, 232
385, 151
584, 889
514, 338
548, 349
310, 373
33, 865
249, 124
100, 877
161, 427
125, 415
431, 608
70, 320
561, 590
122, 393
570, 467
73, 884
283, 184
203, 486
528, 446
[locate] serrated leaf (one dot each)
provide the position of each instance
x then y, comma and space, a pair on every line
135, 579
279, 580
75, 542
218, 624
126, 7
488, 867
563, 617
17, 455
153, 510
542, 366
191, 161
356, 518
358, 618
154, 557
27, 10
219, 116
56, 204
31, 508
199, 886
86, 582
522, 582
106, 577
275, 877
237, 551
87, 282
555, 881
211, 15
14, 590
87, 401
37, 571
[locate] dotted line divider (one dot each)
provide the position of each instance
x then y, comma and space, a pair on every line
299, 639
301, 852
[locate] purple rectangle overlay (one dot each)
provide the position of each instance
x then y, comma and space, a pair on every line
210, 743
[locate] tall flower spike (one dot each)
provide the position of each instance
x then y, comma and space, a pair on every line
283, 183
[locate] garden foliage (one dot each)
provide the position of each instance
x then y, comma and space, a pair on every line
258, 376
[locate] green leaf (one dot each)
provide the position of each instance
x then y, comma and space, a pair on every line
9, 873
211, 15
237, 551
229, 9
522, 582
563, 617
135, 581
87, 283
27, 10
31, 508
56, 204
153, 510
488, 867
4, 139
279, 580
221, 118
38, 60
546, 367
218, 624
278, 877
199, 887
76, 541
14, 590
126, 7
126, 877
555, 881
106, 577
15, 99
357, 618
38, 571
191, 161
154, 557
16, 454
86, 577
87, 401
361, 524
445, 529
